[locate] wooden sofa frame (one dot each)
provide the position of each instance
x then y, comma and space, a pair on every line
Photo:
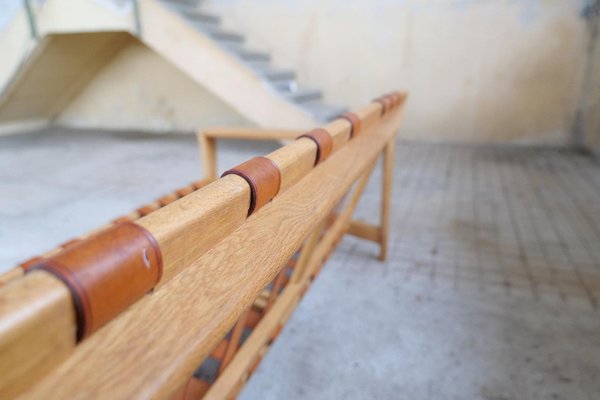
219, 267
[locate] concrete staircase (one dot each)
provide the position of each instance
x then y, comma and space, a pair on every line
40, 85
283, 81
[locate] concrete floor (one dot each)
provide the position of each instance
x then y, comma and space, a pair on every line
491, 290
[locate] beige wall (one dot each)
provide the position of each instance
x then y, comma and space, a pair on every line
139, 90
476, 70
589, 105
593, 116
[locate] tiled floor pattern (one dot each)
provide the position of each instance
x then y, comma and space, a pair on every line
525, 222
490, 292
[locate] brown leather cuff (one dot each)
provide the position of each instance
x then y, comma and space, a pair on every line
26, 265
106, 273
70, 243
200, 184
184, 191
382, 103
354, 121
147, 209
386, 104
393, 99
397, 98
124, 218
263, 177
324, 143
168, 199
389, 101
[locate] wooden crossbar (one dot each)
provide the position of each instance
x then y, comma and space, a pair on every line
365, 231
216, 261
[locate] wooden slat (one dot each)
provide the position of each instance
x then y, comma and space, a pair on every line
219, 351
252, 133
365, 231
254, 317
386, 196
208, 153
231, 274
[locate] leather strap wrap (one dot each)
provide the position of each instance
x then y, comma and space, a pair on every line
199, 184
324, 143
389, 101
147, 209
185, 191
106, 273
26, 265
398, 98
354, 121
386, 104
393, 99
168, 199
124, 218
263, 177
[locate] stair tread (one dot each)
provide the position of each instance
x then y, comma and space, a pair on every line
284, 85
248, 53
275, 74
226, 35
303, 91
193, 13
323, 111
301, 94
283, 80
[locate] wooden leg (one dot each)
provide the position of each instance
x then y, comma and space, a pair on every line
379, 234
208, 152
336, 230
365, 231
386, 196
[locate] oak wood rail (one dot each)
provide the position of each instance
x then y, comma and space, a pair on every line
207, 242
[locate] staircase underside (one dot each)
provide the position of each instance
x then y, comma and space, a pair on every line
57, 70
